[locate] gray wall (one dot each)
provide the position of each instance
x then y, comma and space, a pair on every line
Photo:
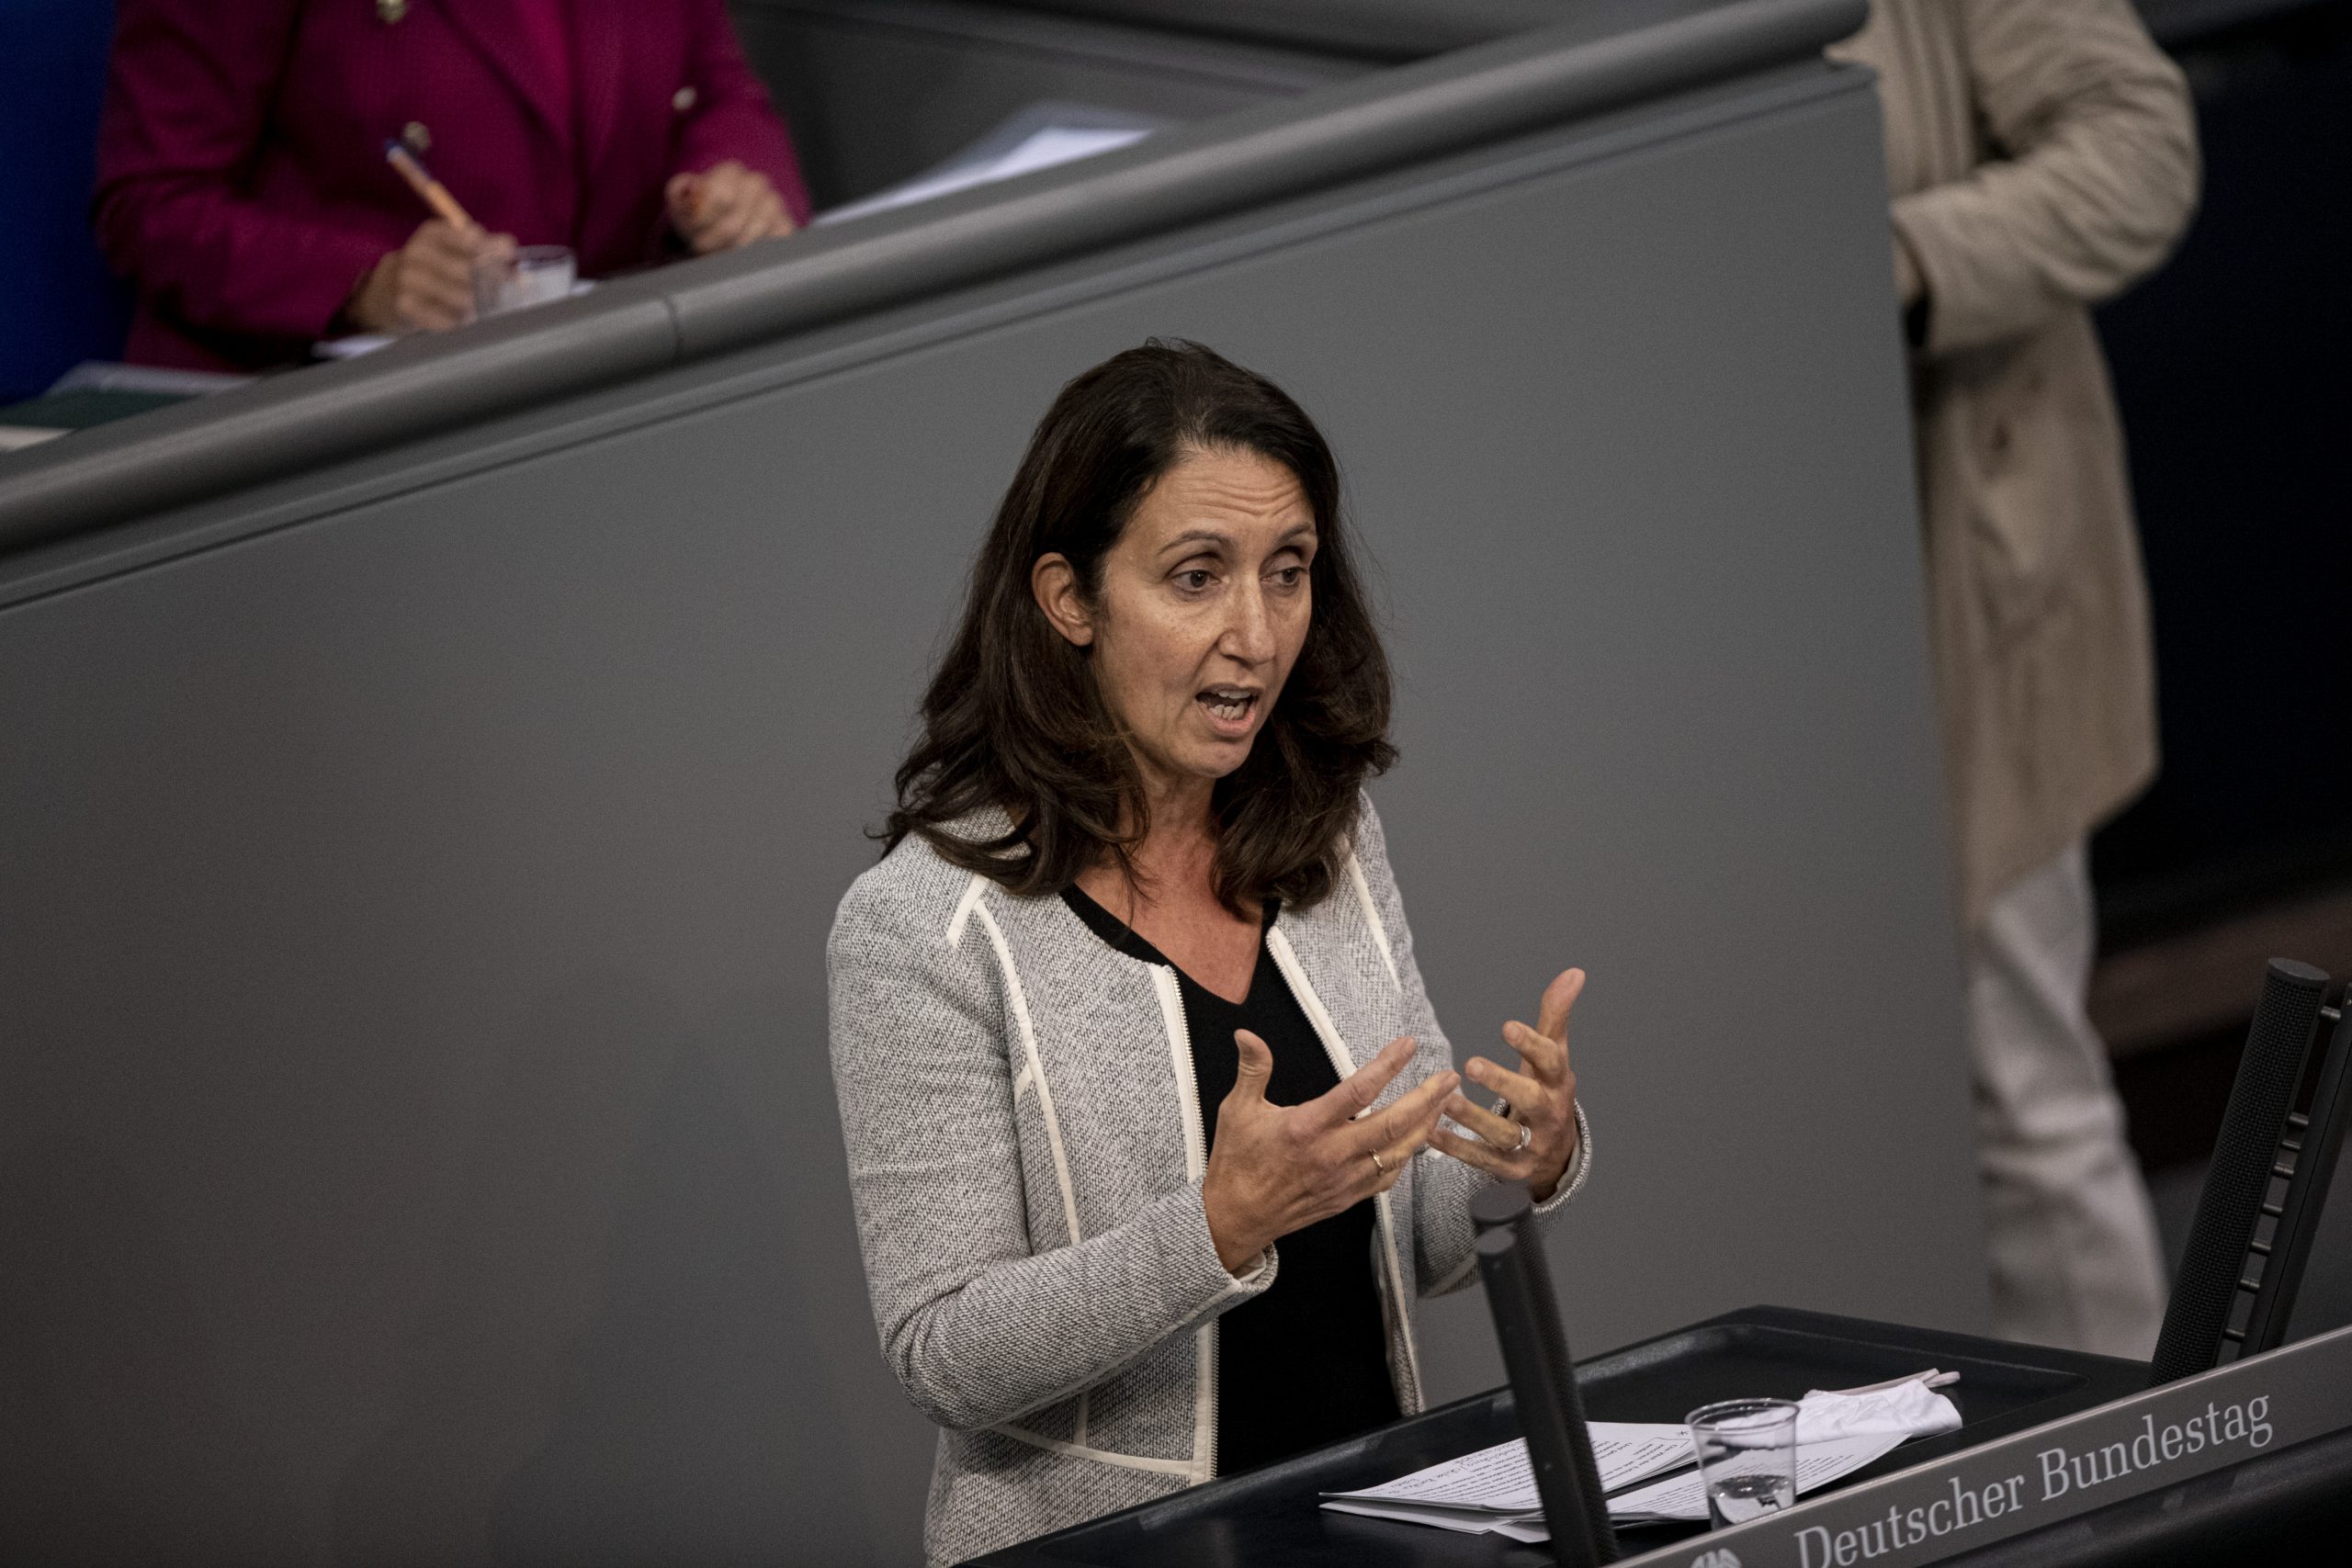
415, 1139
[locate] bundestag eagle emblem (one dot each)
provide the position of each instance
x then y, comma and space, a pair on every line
1721, 1557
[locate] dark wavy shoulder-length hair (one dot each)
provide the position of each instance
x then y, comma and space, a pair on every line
1013, 718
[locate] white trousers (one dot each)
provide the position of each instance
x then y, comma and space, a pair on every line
2074, 1257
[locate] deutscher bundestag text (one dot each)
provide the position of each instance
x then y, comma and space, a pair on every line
2062, 1473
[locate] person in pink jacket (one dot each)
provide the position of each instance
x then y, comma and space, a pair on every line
243, 187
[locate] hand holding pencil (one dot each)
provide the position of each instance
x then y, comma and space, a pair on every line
426, 285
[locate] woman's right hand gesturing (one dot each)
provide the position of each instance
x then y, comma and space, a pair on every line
1277, 1168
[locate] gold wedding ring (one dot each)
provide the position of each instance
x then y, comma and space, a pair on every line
1376, 1161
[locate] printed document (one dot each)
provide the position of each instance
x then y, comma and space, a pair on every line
1493, 1489
1499, 1481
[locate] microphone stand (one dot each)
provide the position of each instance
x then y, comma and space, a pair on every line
1543, 1379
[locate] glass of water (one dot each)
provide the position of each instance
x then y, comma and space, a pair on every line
1747, 1457
532, 274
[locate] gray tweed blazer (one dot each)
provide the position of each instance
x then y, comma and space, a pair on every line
1025, 1147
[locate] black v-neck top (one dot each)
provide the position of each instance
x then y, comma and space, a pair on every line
1304, 1363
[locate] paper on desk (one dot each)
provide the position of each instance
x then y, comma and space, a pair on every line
1494, 1490
1516, 1527
1908, 1408
1469, 1521
360, 345
1040, 149
1674, 1498
1499, 1480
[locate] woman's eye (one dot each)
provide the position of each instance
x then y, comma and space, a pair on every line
1194, 579
1291, 576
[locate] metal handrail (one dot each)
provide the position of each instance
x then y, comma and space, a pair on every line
283, 425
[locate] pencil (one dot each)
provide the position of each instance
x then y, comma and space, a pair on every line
435, 194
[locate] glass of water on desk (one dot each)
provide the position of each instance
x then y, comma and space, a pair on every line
532, 274
1747, 1457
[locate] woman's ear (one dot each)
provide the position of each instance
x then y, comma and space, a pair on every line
1054, 583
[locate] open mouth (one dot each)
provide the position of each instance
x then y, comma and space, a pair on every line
1229, 708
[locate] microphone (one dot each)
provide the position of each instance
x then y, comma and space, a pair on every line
1542, 1378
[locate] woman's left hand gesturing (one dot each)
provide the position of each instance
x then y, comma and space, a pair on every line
1535, 1137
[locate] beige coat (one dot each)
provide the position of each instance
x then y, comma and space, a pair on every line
2042, 156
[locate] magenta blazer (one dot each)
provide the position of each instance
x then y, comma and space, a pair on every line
242, 181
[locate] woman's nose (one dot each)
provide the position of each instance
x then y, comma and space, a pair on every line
1250, 629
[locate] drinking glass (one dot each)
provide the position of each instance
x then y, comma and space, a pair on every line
1747, 1457
532, 276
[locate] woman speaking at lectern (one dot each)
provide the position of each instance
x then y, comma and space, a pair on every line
1133, 1060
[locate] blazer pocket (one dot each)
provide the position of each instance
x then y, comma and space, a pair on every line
2027, 484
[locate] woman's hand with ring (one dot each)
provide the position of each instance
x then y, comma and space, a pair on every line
1277, 1168
1537, 1139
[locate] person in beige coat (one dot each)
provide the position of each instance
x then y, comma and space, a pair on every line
2042, 156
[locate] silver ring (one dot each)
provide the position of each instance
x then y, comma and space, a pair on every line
1526, 1136
1376, 1161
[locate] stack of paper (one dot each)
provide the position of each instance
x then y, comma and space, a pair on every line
1493, 1490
